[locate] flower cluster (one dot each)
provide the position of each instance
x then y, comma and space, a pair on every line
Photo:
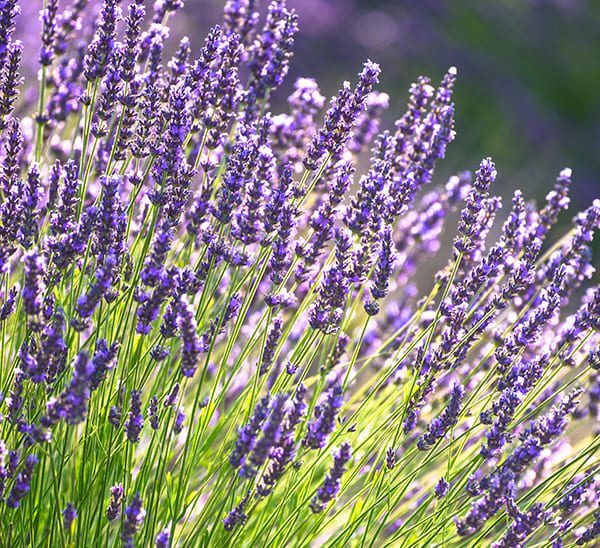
218, 322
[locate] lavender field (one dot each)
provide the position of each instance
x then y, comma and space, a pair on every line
235, 311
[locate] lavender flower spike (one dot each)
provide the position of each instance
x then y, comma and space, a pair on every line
331, 486
322, 425
133, 521
445, 421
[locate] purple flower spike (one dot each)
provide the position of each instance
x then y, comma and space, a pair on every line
133, 521
33, 287
247, 435
439, 426
69, 516
441, 488
113, 511
22, 482
323, 423
135, 418
163, 539
332, 484
191, 343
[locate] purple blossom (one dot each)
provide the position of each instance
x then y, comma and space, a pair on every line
271, 343
135, 418
48, 18
153, 413
100, 50
470, 220
445, 421
573, 498
117, 493
8, 306
163, 539
323, 423
69, 516
133, 520
10, 80
592, 532
501, 482
270, 437
237, 516
344, 110
171, 397
441, 488
383, 270
105, 275
104, 360
248, 434
325, 313
179, 420
241, 17
115, 415
22, 482
523, 524
283, 451
191, 344
33, 285
71, 405
332, 484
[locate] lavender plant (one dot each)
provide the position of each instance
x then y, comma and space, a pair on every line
215, 326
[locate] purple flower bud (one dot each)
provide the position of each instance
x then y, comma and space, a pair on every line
332, 484
383, 267
153, 413
171, 398
591, 533
191, 344
71, 404
574, 495
69, 516
114, 416
22, 482
135, 418
390, 458
104, 360
367, 123
28, 231
8, 11
48, 18
113, 511
247, 435
439, 426
323, 423
10, 80
132, 521
523, 524
470, 224
341, 117
325, 312
241, 17
273, 50
271, 343
100, 50
179, 420
163, 539
271, 435
33, 285
105, 274
8, 306
502, 480
237, 516
441, 488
